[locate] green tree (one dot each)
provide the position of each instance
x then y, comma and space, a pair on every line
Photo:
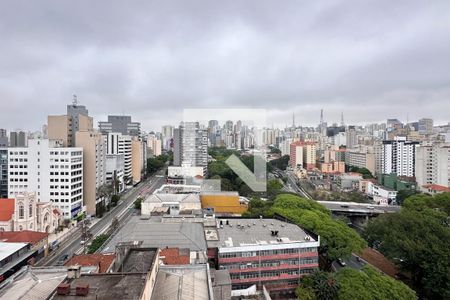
337, 239
138, 202
258, 207
304, 293
368, 284
281, 163
417, 239
324, 285
97, 243
274, 187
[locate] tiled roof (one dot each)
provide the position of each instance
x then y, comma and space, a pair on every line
6, 209
172, 256
436, 187
24, 236
104, 261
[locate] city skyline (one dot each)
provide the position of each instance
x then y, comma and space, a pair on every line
152, 61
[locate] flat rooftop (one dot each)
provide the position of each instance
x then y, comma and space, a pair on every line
7, 249
160, 235
108, 286
247, 232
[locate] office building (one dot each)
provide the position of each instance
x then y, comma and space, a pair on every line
361, 158
121, 144
17, 139
263, 252
191, 146
65, 127
121, 124
350, 137
425, 126
94, 167
433, 165
54, 172
398, 156
3, 172
4, 141
115, 171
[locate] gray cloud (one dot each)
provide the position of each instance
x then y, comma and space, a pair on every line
370, 59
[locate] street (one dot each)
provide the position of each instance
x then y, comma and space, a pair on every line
72, 245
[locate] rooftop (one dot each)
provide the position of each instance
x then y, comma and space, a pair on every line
175, 198
6, 209
246, 232
175, 256
436, 187
24, 236
108, 286
7, 249
34, 283
182, 282
103, 261
160, 235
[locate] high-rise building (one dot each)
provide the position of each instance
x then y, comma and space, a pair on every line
425, 126
94, 167
121, 144
191, 146
65, 127
398, 156
115, 171
122, 124
351, 137
167, 137
54, 172
3, 173
138, 159
361, 159
154, 145
433, 165
303, 154
17, 139
4, 141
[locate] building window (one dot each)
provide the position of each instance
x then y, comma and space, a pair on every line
21, 211
30, 210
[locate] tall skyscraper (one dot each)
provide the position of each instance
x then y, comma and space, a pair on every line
122, 124
17, 139
351, 137
191, 146
3, 172
398, 156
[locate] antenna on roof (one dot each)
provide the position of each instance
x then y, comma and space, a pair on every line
74, 100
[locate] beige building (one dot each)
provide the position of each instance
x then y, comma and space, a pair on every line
94, 166
138, 155
361, 159
65, 127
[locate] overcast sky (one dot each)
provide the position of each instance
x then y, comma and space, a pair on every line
372, 60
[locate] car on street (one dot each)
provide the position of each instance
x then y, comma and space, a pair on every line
341, 262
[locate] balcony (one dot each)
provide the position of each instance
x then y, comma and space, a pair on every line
266, 257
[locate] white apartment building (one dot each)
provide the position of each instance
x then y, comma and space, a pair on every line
115, 168
54, 172
398, 156
433, 165
121, 144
